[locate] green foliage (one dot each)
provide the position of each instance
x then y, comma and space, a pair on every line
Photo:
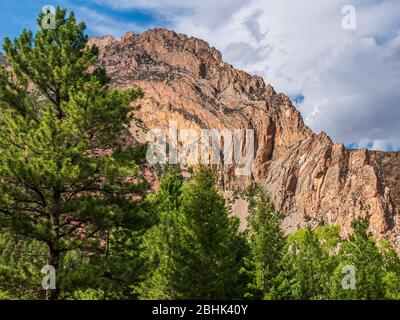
391, 268
108, 274
67, 177
316, 265
267, 242
209, 246
309, 263
197, 249
72, 195
20, 265
160, 241
362, 252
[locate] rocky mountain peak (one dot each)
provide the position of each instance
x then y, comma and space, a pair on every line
308, 177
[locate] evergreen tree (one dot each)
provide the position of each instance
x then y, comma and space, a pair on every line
267, 242
197, 247
309, 263
20, 265
210, 249
360, 251
109, 274
67, 177
161, 240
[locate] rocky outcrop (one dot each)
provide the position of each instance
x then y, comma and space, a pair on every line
309, 177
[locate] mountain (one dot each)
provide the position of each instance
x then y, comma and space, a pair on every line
309, 177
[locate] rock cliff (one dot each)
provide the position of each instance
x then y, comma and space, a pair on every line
308, 177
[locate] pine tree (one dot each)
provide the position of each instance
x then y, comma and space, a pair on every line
210, 248
360, 251
20, 265
67, 176
267, 242
197, 248
160, 241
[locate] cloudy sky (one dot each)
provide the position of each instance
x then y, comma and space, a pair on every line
345, 81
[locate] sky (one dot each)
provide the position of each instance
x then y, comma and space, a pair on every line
344, 80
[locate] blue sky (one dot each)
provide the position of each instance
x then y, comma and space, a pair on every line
344, 82
15, 15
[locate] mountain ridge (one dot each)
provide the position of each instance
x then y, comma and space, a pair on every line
307, 175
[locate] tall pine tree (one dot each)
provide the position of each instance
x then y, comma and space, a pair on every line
161, 240
210, 249
66, 179
198, 248
267, 242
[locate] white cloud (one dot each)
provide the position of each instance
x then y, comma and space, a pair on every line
350, 78
103, 24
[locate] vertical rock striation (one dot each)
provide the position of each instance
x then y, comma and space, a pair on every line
309, 177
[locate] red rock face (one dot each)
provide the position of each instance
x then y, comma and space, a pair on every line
307, 175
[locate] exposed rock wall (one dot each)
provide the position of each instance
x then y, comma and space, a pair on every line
306, 174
